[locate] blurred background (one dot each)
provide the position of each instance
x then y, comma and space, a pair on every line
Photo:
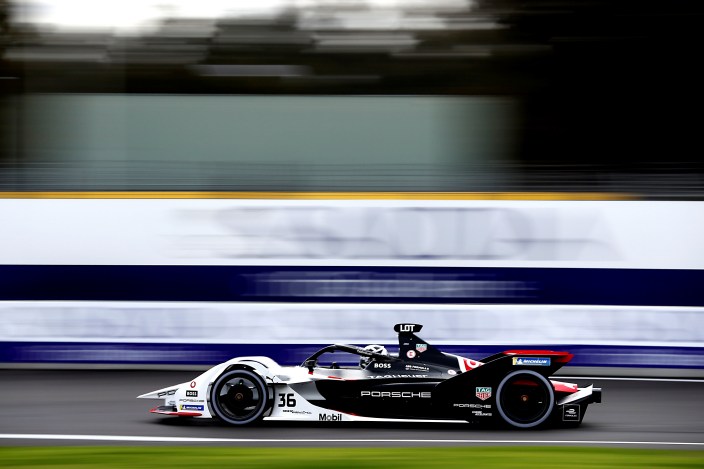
588, 107
187, 181
420, 95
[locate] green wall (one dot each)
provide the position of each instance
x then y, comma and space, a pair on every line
366, 130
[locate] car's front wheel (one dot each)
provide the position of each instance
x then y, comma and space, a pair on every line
525, 399
239, 397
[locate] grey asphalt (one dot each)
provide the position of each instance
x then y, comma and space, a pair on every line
103, 403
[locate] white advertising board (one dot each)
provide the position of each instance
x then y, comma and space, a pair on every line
277, 323
561, 234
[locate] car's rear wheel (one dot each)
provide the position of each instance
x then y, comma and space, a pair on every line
239, 397
525, 399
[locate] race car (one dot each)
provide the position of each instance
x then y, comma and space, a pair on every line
419, 383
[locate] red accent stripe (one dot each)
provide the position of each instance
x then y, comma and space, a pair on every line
177, 414
559, 357
471, 364
331, 377
524, 382
559, 386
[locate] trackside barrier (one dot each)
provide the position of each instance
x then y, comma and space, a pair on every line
207, 333
196, 281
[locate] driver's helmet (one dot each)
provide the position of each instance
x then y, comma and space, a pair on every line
364, 361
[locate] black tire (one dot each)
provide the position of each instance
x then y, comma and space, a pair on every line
525, 399
239, 397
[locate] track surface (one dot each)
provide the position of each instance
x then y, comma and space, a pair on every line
103, 403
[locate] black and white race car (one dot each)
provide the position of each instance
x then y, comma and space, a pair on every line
420, 383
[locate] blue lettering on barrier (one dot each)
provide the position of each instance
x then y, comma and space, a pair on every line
443, 285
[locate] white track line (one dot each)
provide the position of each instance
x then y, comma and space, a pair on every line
611, 378
176, 439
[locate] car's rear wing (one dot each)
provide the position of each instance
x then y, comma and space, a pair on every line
533, 358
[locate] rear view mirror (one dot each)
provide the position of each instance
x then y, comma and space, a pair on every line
310, 364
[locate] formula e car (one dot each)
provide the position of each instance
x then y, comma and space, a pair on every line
420, 383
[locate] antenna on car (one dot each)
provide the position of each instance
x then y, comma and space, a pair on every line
412, 347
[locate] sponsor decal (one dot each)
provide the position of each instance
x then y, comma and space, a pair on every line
479, 413
193, 384
531, 361
397, 394
191, 407
483, 393
191, 393
471, 406
407, 328
417, 368
451, 372
191, 400
411, 354
171, 403
382, 365
421, 347
330, 417
570, 413
167, 393
467, 364
396, 376
292, 411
